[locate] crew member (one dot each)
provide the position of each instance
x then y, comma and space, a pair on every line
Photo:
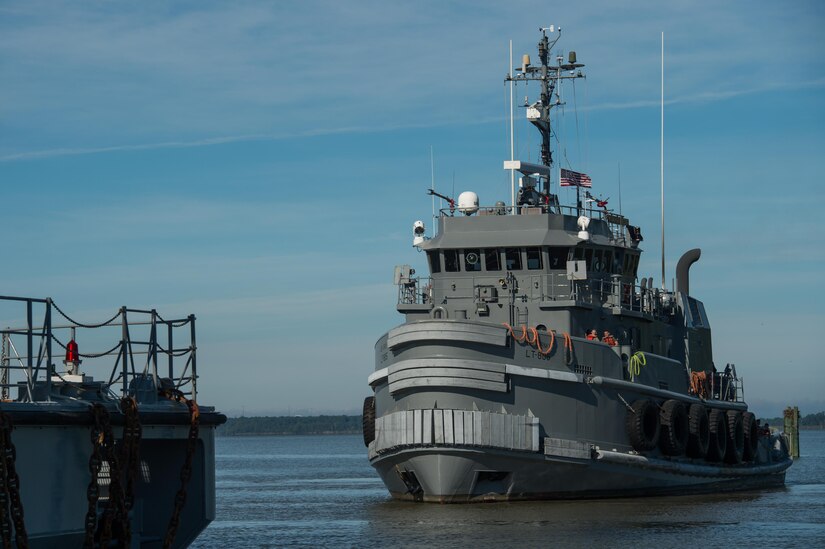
592, 335
609, 339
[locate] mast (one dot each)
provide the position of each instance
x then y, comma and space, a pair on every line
538, 112
512, 139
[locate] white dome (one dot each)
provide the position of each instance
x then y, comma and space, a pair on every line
468, 202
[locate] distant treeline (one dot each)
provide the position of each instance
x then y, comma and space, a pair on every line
811, 421
291, 425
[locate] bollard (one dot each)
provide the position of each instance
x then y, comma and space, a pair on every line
792, 429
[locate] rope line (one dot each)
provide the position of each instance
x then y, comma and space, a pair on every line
634, 366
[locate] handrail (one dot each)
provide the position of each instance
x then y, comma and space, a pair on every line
32, 370
593, 213
613, 292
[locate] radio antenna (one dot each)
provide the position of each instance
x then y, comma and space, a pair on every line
662, 158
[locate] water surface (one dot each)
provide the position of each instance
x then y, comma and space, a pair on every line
320, 491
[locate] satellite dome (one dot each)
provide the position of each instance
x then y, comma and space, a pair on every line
468, 202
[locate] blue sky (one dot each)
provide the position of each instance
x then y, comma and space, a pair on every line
260, 164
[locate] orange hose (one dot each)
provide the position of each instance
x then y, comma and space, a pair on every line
568, 344
552, 335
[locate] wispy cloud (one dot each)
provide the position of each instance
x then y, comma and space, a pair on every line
703, 97
77, 75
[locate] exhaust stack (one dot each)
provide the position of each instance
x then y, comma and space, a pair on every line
683, 267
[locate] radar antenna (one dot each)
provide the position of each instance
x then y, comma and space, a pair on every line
538, 113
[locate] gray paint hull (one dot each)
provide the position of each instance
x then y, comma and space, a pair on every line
464, 413
453, 476
53, 466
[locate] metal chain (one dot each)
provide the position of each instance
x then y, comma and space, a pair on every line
80, 324
89, 355
130, 449
95, 460
115, 514
186, 470
13, 485
5, 524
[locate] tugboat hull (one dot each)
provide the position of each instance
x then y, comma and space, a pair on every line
466, 476
457, 420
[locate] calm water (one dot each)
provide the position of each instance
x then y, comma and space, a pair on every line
321, 492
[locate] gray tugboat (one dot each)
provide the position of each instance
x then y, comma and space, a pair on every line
109, 449
534, 363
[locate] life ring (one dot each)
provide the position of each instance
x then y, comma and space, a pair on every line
698, 431
718, 441
674, 436
642, 423
368, 420
736, 437
751, 436
439, 313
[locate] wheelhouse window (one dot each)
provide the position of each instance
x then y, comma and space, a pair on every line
634, 266
631, 263
512, 259
598, 261
608, 261
435, 262
533, 258
472, 260
451, 264
585, 254
558, 257
492, 259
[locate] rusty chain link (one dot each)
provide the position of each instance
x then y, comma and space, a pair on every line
116, 514
5, 523
130, 449
186, 470
95, 461
12, 483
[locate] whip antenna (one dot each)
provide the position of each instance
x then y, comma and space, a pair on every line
662, 158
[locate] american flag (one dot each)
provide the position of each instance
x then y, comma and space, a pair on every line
570, 178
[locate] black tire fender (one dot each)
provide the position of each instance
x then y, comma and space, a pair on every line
642, 424
699, 431
736, 437
718, 440
751, 436
368, 420
674, 436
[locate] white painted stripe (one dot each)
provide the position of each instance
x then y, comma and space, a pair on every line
526, 371
378, 375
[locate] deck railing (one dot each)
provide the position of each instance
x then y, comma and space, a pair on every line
548, 287
129, 350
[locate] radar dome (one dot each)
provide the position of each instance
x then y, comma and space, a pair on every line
468, 202
583, 223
